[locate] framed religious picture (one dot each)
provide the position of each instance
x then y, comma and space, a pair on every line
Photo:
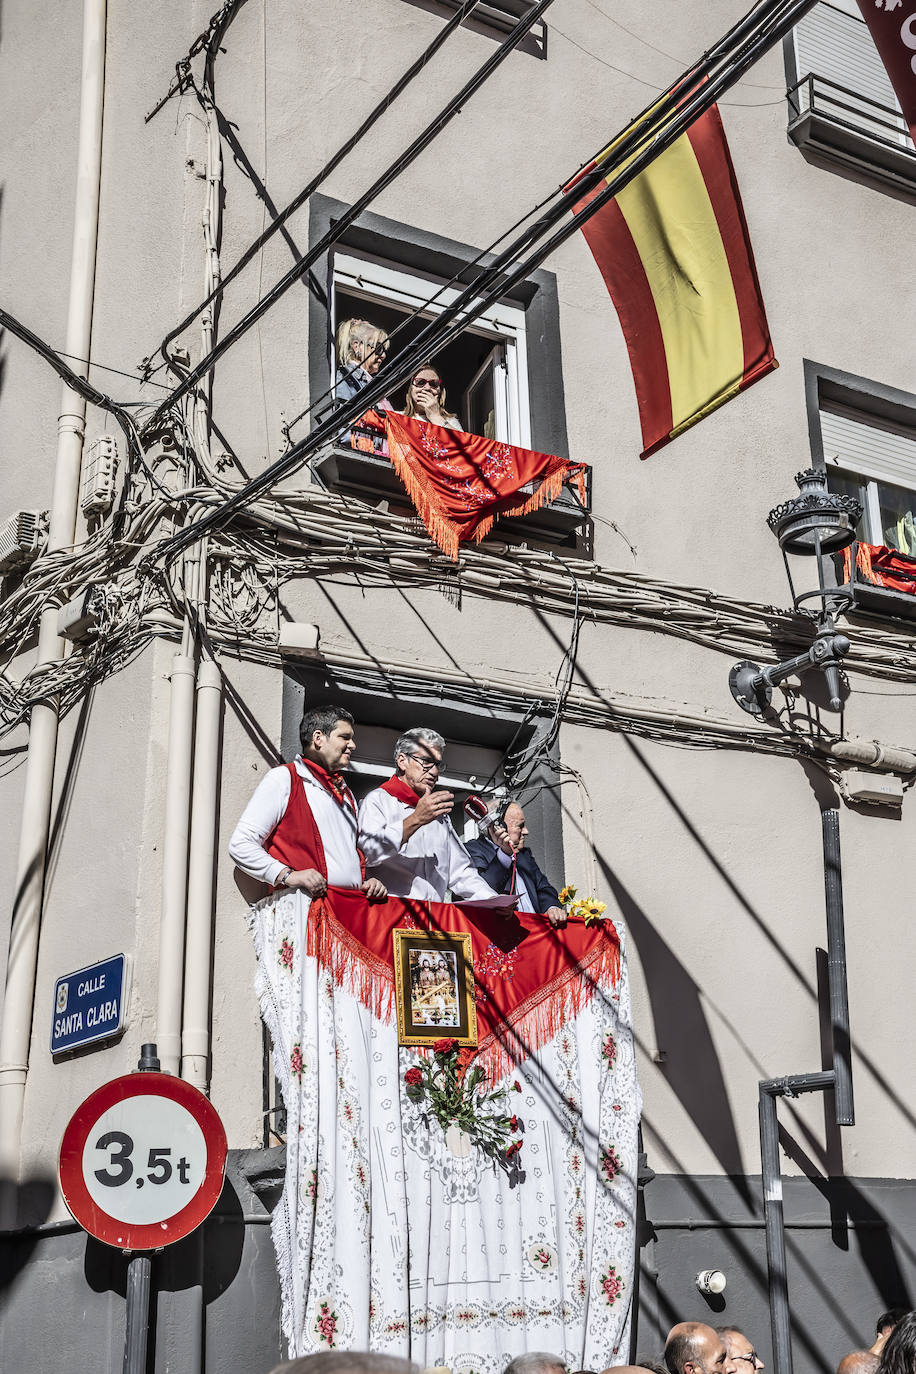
434, 984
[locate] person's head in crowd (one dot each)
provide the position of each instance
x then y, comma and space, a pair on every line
859, 1362
326, 737
426, 397
695, 1348
657, 1366
884, 1326
346, 1362
899, 1353
418, 756
740, 1350
361, 344
536, 1362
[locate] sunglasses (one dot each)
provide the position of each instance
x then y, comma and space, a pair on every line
426, 384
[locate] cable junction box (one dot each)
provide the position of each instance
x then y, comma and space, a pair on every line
100, 470
22, 538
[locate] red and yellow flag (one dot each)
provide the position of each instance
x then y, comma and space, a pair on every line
675, 255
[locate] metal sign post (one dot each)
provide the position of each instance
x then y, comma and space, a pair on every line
141, 1166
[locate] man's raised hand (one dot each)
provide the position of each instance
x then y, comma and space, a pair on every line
432, 805
375, 890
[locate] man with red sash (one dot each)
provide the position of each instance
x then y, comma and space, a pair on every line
299, 829
405, 833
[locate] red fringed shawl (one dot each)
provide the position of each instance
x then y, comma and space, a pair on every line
529, 979
461, 482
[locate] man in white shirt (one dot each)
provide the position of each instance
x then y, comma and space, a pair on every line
405, 833
299, 830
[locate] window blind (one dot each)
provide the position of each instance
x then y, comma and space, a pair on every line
835, 45
861, 444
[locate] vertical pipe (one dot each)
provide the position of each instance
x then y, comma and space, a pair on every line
195, 1032
39, 779
836, 970
137, 1326
175, 863
771, 1178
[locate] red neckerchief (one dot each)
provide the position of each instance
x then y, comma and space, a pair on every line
396, 787
333, 783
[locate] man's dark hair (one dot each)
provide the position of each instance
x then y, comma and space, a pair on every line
899, 1355
322, 718
889, 1319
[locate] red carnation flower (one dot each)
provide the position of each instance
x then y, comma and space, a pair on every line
444, 1046
516, 1086
513, 1123
413, 1078
513, 1149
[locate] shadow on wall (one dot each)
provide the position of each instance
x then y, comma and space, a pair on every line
692, 1065
22, 1204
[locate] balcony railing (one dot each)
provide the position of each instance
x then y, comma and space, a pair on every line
837, 123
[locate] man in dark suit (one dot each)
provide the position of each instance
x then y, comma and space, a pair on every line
502, 860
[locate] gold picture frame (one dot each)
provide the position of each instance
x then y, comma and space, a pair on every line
434, 985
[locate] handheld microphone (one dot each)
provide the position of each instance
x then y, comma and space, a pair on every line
477, 810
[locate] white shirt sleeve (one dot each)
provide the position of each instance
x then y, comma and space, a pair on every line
381, 832
463, 878
260, 817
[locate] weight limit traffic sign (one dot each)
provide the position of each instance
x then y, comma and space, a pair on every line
142, 1161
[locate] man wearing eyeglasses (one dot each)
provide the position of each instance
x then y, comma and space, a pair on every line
740, 1350
405, 832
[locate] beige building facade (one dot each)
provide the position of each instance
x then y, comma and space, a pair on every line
699, 825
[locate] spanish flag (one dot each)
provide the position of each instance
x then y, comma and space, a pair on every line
675, 255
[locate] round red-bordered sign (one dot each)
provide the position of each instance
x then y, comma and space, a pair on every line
142, 1161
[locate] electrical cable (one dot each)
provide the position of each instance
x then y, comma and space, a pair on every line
664, 127
452, 108
330, 166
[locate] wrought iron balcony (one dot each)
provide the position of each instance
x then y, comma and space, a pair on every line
833, 123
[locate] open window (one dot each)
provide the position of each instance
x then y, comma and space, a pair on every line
485, 369
503, 374
864, 434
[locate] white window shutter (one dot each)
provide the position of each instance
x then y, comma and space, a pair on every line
859, 444
835, 44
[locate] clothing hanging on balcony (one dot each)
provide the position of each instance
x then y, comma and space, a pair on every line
397, 1236
460, 483
883, 567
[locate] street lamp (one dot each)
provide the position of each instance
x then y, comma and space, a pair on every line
815, 523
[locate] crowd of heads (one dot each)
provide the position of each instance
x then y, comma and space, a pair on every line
691, 1348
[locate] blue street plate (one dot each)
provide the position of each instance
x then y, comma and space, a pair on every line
91, 1004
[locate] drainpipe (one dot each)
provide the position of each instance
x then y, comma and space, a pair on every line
839, 1078
39, 779
175, 863
195, 1032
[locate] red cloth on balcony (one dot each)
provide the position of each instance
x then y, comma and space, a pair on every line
883, 567
529, 978
461, 482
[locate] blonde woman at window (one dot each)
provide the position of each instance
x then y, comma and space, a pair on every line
426, 399
361, 350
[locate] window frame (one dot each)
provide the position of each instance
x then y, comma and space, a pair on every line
879, 402
372, 279
431, 255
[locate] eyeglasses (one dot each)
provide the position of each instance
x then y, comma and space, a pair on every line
426, 384
428, 765
753, 1358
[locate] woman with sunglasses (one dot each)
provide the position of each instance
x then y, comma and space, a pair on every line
426, 399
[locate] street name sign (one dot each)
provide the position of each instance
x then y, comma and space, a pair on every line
142, 1161
90, 1004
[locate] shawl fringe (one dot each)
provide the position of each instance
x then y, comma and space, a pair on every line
446, 534
529, 1027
